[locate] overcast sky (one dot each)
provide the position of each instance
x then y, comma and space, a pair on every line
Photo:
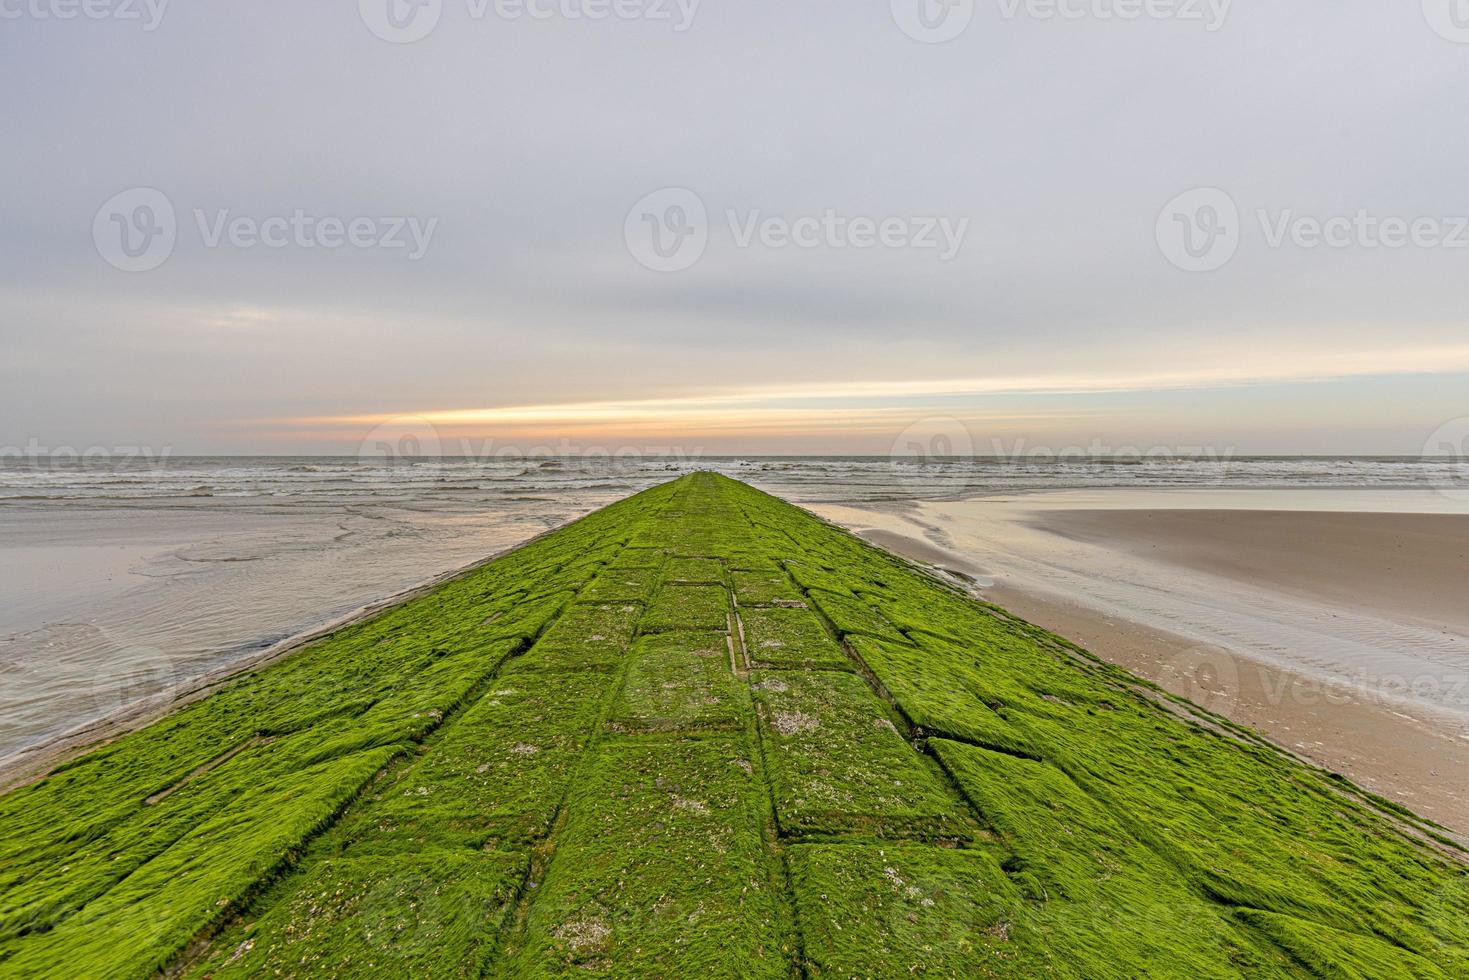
858, 227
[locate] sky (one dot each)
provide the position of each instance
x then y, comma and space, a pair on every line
733, 227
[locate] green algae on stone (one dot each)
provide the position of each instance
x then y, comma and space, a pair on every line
792, 638
939, 701
423, 914
687, 607
679, 682
587, 637
838, 764
1091, 878
693, 571
660, 871
853, 617
809, 576
498, 774
621, 585
764, 588
139, 924
899, 910
638, 557
604, 791
1328, 952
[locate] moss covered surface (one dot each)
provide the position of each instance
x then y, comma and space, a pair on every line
660, 871
680, 682
422, 913
837, 762
687, 607
765, 588
495, 778
697, 733
795, 638
893, 909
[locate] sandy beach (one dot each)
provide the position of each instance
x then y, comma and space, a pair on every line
1332, 621
1404, 567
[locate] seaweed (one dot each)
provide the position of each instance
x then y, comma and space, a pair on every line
701, 732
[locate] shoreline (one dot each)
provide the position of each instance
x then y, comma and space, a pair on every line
1399, 747
36, 762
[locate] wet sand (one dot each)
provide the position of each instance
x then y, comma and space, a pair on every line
107, 607
1407, 567
1340, 633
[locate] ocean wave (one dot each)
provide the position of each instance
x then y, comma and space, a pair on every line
830, 478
